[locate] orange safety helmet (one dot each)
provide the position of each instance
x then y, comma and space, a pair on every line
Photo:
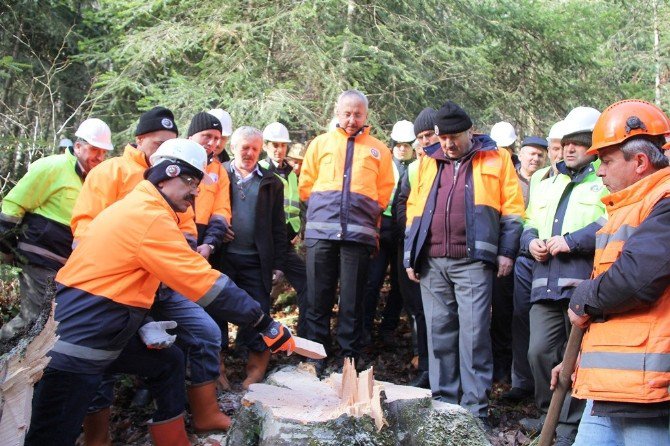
625, 119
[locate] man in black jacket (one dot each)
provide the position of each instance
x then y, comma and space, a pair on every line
256, 239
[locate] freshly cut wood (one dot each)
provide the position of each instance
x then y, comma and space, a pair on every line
294, 407
20, 368
309, 349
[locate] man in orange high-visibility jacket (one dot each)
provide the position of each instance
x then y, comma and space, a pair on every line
212, 205
464, 220
198, 335
106, 289
347, 180
624, 364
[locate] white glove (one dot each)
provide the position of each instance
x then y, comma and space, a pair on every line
154, 335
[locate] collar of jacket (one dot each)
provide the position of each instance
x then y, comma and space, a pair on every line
147, 187
581, 174
136, 155
480, 143
636, 191
77, 167
365, 130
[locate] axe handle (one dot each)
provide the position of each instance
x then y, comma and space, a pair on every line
563, 386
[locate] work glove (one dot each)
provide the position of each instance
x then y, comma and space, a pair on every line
153, 334
278, 338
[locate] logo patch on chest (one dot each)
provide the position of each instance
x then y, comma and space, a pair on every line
374, 152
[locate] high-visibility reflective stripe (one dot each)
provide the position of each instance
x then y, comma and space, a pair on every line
41, 251
338, 227
214, 291
541, 282
362, 230
80, 351
601, 220
568, 281
10, 218
649, 362
620, 235
323, 225
486, 246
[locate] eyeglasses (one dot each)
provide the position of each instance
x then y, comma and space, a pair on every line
192, 182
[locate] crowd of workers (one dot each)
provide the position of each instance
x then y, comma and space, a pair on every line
493, 253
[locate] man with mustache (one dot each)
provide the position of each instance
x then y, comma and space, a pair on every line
35, 217
106, 289
199, 336
424, 129
256, 243
464, 220
564, 213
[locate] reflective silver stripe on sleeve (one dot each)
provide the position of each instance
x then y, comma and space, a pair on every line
10, 218
541, 282
649, 362
323, 225
362, 230
214, 291
486, 246
620, 235
512, 217
601, 220
568, 281
82, 352
41, 251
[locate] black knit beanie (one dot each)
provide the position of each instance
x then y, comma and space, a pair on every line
425, 120
203, 121
451, 118
167, 169
158, 118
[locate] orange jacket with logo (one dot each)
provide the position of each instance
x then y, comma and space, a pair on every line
109, 282
109, 182
212, 206
626, 358
348, 182
493, 203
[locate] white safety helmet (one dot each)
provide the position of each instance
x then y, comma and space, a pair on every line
225, 119
276, 132
185, 150
65, 142
403, 131
556, 131
580, 119
95, 132
503, 134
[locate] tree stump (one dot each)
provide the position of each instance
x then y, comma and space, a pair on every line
294, 407
21, 364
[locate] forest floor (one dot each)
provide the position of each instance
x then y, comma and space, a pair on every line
392, 363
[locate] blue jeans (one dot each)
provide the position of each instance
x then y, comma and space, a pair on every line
61, 398
619, 431
198, 336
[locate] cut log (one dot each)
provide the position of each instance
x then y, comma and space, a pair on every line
294, 407
21, 366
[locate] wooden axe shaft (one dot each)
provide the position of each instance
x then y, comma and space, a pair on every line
563, 386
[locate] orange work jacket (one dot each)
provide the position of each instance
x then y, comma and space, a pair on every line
109, 182
347, 181
627, 357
